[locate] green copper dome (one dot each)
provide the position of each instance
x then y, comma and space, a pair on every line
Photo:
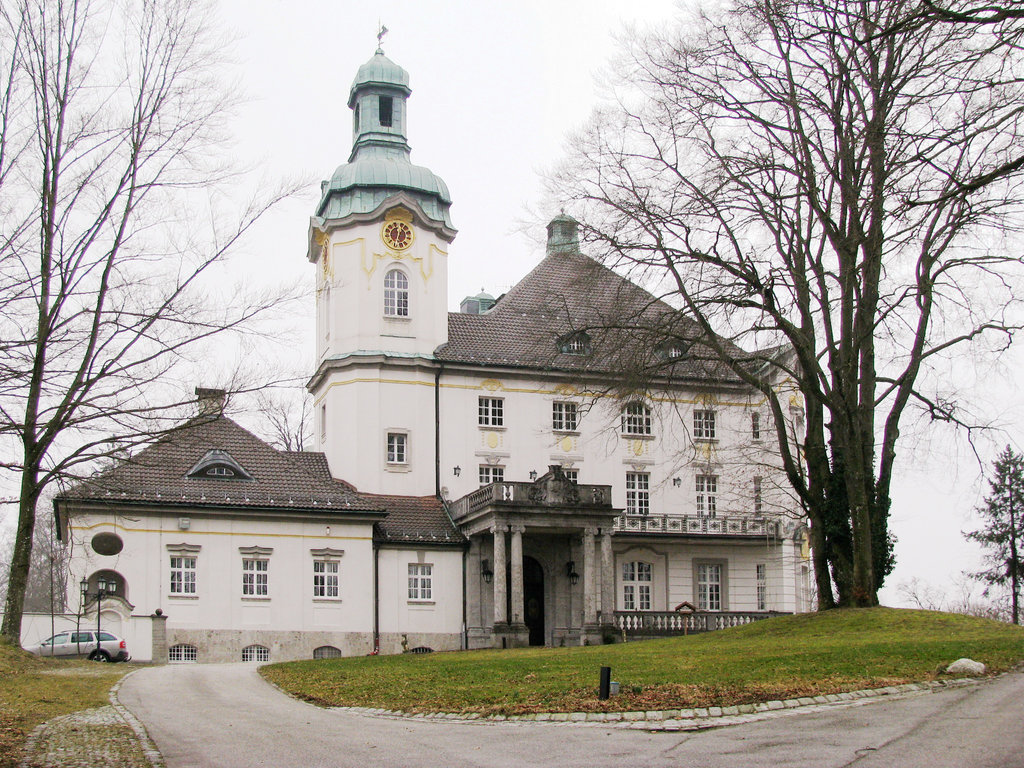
379, 71
379, 165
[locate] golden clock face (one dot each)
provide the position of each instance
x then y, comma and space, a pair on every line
397, 235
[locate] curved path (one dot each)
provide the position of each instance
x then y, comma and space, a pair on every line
226, 715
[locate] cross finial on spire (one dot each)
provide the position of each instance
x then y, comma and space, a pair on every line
380, 38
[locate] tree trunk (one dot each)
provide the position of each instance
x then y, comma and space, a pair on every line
21, 558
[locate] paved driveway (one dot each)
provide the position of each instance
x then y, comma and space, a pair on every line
226, 715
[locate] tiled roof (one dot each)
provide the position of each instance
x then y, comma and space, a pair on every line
158, 474
415, 518
568, 293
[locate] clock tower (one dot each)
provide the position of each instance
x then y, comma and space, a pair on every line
379, 240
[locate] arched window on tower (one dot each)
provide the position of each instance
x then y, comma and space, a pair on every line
396, 294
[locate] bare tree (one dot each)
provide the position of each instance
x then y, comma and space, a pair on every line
801, 178
109, 116
285, 416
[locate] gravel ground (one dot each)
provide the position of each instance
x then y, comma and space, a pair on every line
106, 736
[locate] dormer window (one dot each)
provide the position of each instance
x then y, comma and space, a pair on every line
218, 465
672, 349
575, 344
386, 110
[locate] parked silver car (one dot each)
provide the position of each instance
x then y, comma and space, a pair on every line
83, 644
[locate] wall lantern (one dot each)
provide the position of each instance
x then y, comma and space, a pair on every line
677, 481
570, 571
485, 570
457, 471
533, 474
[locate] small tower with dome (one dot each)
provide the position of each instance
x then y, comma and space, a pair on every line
379, 239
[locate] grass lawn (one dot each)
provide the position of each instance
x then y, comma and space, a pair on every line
779, 658
34, 690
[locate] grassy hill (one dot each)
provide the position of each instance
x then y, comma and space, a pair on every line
34, 690
779, 658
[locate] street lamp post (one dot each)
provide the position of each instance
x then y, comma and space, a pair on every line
99, 595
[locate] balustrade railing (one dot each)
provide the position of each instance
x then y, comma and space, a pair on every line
731, 525
660, 623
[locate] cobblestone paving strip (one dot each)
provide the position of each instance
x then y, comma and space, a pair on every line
697, 719
104, 736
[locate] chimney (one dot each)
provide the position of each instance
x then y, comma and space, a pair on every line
211, 401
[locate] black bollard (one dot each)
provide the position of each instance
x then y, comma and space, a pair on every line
606, 683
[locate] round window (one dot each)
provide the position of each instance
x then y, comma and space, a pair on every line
107, 543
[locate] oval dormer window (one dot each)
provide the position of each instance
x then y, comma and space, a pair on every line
575, 344
218, 465
672, 349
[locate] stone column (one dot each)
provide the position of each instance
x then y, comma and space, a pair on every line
499, 575
607, 579
159, 629
589, 582
517, 575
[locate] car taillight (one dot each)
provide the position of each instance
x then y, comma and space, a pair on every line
123, 644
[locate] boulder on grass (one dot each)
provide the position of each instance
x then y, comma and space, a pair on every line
966, 668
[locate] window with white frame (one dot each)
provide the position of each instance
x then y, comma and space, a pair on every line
707, 495
636, 586
703, 425
183, 574
491, 412
398, 448
325, 579
755, 426
762, 586
636, 419
490, 474
563, 417
571, 474
182, 652
255, 571
638, 493
255, 653
709, 586
758, 506
421, 577
396, 294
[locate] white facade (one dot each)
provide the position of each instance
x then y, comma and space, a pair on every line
582, 515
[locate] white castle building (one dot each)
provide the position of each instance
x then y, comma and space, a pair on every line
479, 479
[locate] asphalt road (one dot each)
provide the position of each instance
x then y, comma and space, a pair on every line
226, 716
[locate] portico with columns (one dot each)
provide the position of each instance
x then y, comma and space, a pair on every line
528, 543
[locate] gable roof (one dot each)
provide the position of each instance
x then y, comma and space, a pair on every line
158, 474
570, 292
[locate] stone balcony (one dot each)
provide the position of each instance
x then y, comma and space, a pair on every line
542, 493
698, 525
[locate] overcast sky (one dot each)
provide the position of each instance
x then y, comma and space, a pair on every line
496, 89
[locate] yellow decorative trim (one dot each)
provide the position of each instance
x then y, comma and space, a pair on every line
494, 385
638, 447
322, 241
491, 439
193, 532
567, 390
425, 265
567, 444
398, 213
